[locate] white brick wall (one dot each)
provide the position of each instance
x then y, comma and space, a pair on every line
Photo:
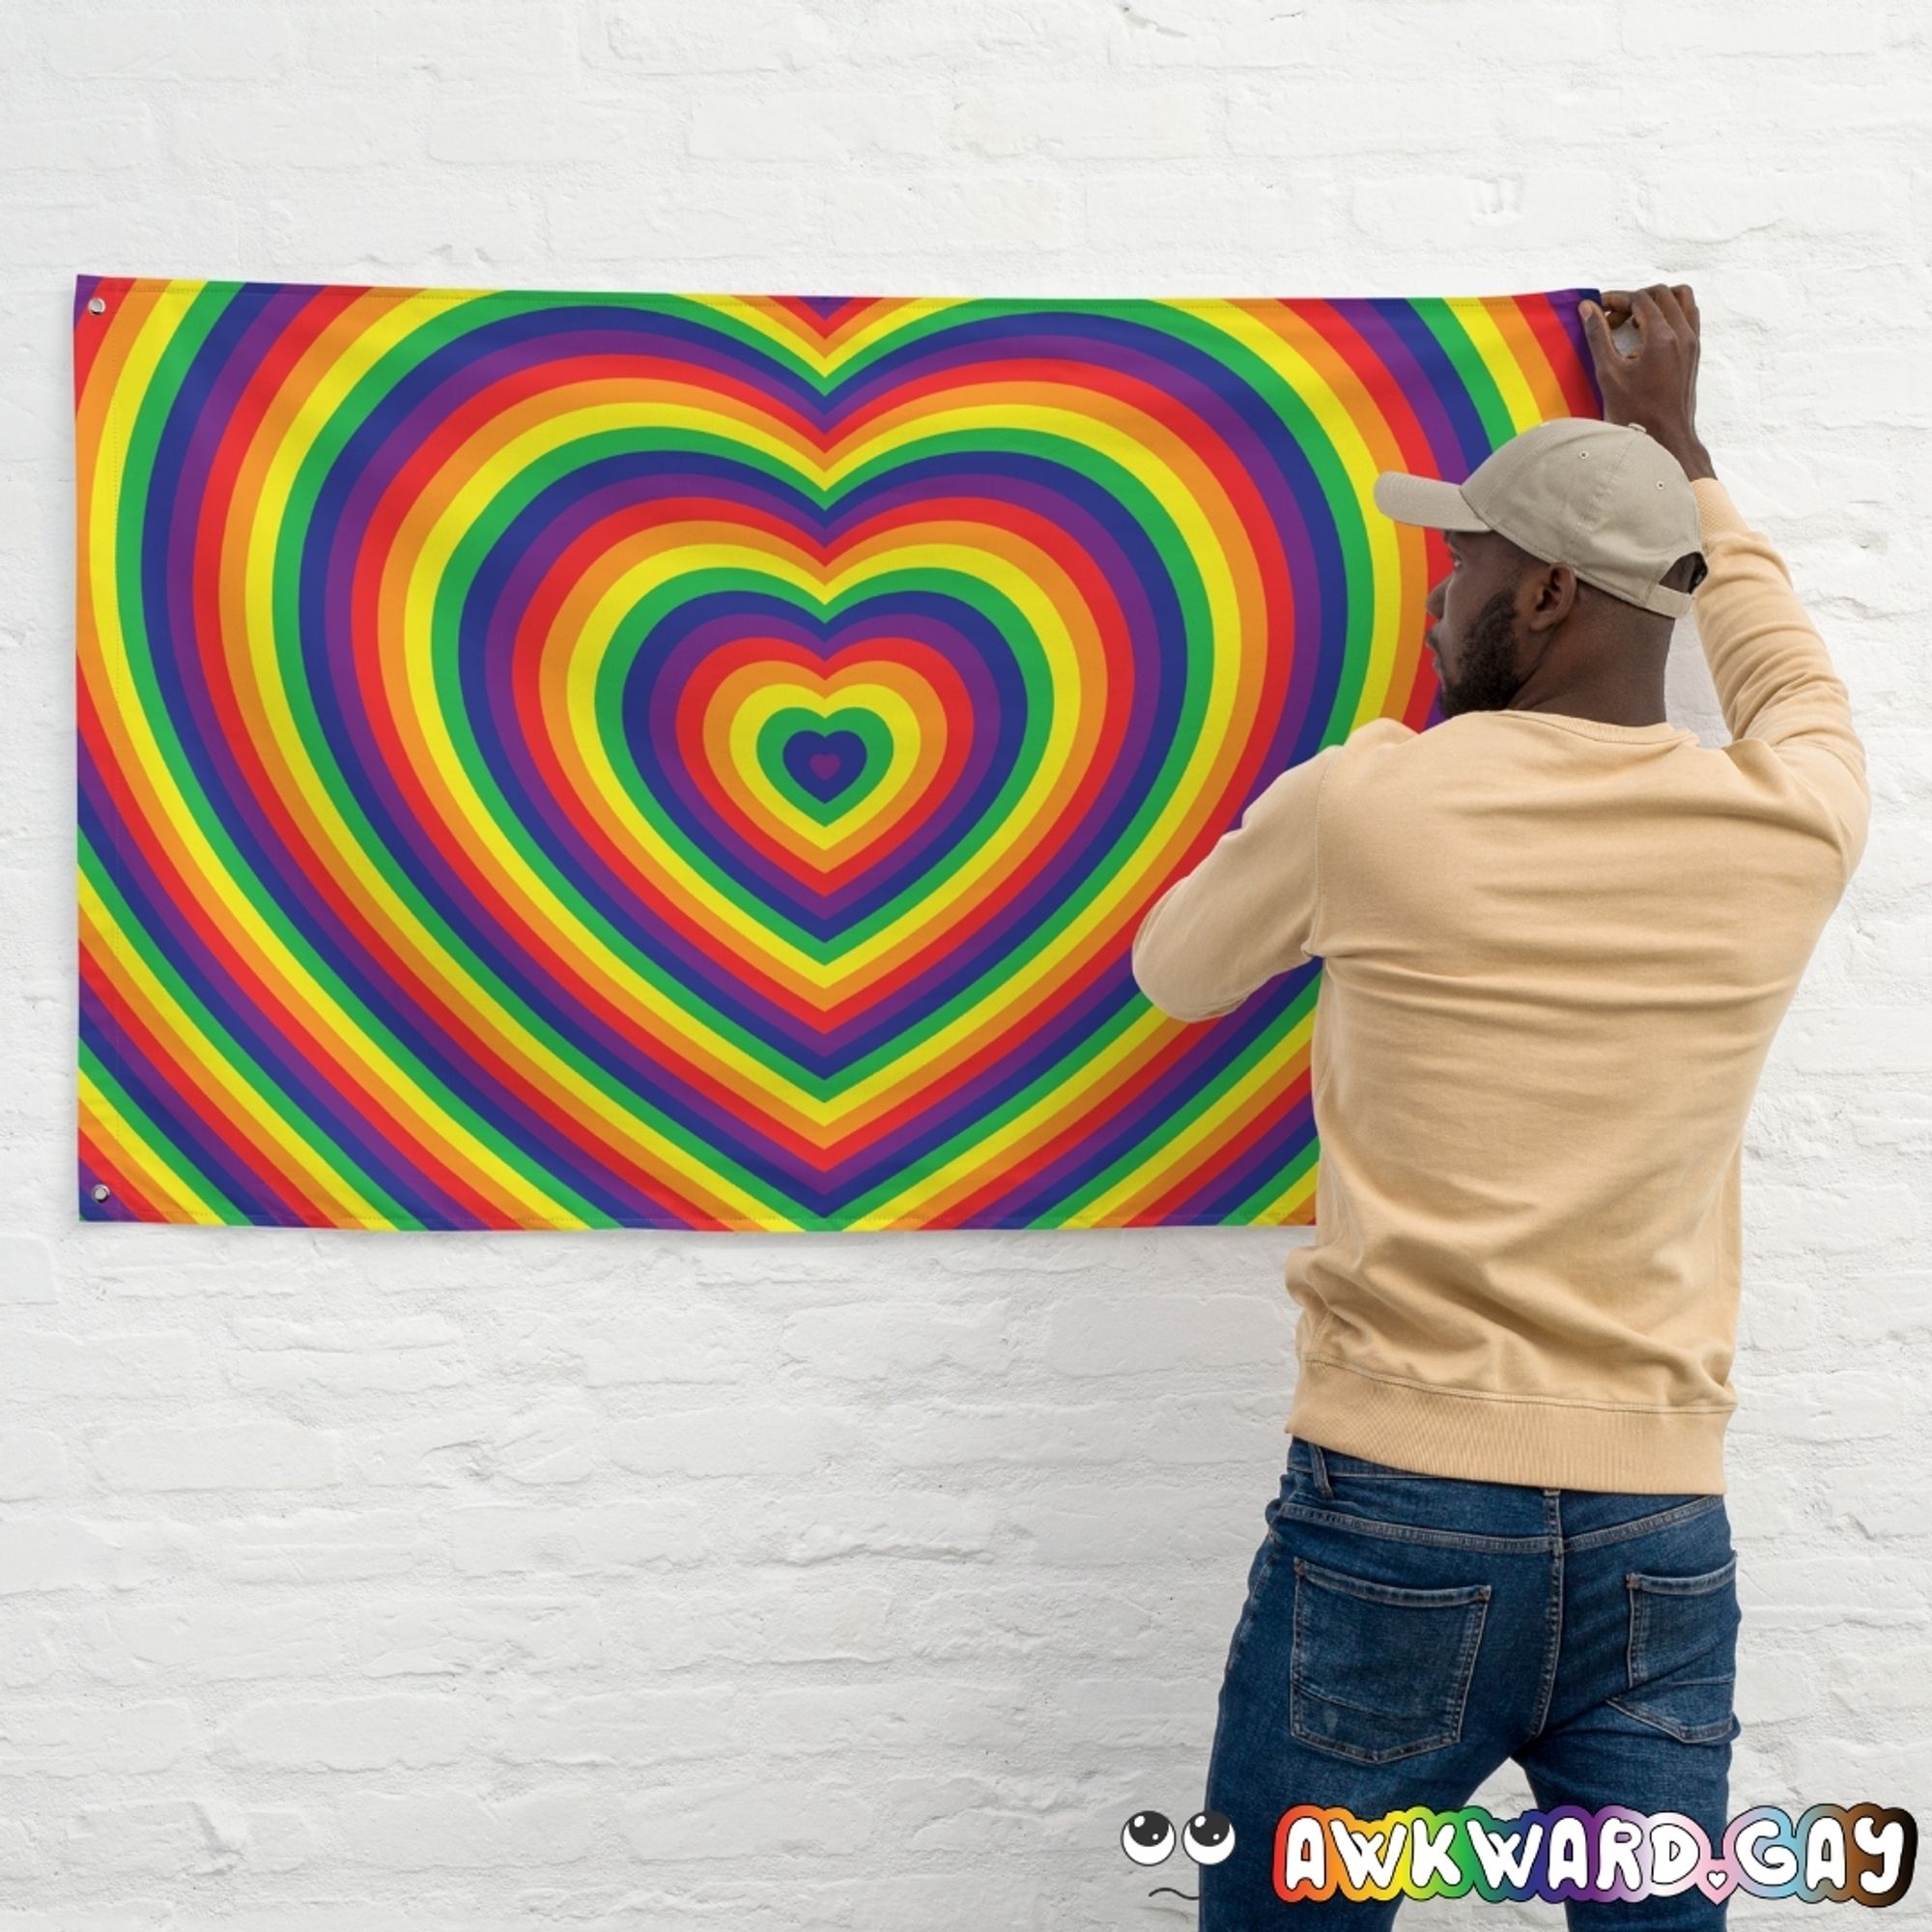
355, 1582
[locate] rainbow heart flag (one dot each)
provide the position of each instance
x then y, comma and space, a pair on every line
555, 760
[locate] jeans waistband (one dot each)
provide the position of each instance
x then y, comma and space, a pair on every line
1356, 1488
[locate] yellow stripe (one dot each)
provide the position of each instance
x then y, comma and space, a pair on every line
848, 828
193, 850
295, 1157
137, 1160
761, 316
512, 458
1343, 430
1479, 324
1074, 1094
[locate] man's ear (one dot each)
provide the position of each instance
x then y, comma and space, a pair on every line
1554, 591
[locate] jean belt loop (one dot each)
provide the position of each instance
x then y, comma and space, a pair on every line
1317, 1464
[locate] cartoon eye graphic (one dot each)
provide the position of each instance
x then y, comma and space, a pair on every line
1208, 1838
1146, 1838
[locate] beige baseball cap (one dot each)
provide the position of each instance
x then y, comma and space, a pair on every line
1605, 499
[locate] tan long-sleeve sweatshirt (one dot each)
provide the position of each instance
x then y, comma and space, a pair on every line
1555, 953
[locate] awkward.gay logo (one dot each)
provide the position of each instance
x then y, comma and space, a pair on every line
1860, 1854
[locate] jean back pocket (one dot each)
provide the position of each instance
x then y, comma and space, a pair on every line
1681, 1661
1380, 1670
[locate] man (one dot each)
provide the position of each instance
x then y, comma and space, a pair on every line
1557, 935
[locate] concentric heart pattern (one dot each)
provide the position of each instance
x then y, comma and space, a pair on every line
564, 760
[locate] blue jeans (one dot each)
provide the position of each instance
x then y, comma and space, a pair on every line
1405, 1634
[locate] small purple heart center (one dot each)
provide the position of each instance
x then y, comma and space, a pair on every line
825, 762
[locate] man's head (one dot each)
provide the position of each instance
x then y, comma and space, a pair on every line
1499, 614
1572, 548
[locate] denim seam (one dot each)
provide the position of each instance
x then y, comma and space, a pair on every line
1643, 1526
1700, 1585
1585, 1541
1510, 1544
1553, 1620
1714, 1733
1249, 1611
1370, 1590
1636, 1584
1391, 1476
1453, 1539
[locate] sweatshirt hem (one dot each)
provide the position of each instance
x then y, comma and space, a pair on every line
1448, 1432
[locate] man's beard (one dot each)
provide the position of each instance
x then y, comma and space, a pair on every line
1486, 677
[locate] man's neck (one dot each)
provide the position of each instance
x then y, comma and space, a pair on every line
1603, 708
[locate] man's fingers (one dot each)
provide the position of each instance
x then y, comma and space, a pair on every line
1659, 309
1670, 308
1657, 312
1649, 316
1597, 331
